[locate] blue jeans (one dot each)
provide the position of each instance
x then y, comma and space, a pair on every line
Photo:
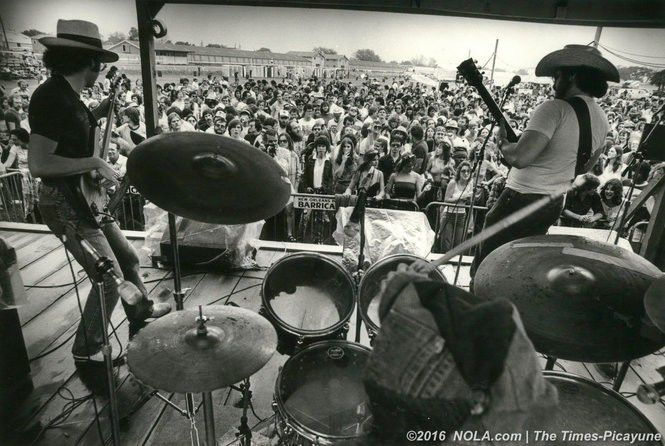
511, 201
109, 241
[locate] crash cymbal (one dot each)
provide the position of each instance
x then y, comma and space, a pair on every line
172, 354
208, 178
579, 299
654, 302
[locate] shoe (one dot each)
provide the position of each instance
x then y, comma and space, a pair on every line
93, 375
608, 370
292, 239
153, 311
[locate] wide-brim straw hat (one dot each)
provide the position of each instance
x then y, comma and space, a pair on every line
577, 56
81, 35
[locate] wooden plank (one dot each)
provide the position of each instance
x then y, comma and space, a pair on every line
42, 247
18, 240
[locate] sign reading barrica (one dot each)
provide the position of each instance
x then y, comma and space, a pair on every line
314, 202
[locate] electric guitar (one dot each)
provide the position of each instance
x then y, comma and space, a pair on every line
92, 188
470, 72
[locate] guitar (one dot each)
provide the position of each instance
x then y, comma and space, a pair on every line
91, 187
470, 72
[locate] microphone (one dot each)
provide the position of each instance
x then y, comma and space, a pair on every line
651, 393
126, 290
514, 81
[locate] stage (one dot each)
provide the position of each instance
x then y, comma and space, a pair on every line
51, 316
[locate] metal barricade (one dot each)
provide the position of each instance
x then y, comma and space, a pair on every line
450, 222
317, 217
129, 214
13, 205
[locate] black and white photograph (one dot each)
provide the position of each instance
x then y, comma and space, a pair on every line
303, 223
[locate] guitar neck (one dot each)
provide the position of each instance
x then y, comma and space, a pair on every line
496, 112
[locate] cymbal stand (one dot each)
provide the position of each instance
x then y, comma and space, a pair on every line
362, 197
244, 433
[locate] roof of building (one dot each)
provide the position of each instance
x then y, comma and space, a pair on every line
304, 53
15, 37
369, 64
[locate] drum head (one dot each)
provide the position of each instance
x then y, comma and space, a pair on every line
320, 391
370, 286
587, 407
308, 294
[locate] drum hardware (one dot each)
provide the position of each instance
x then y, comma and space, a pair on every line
652, 393
654, 302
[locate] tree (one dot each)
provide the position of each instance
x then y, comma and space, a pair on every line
367, 55
264, 50
634, 73
31, 32
116, 37
133, 33
522, 72
406, 62
658, 79
180, 42
323, 50
214, 45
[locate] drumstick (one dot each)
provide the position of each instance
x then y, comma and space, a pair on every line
503, 224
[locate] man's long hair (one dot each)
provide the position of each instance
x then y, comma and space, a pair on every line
589, 80
66, 61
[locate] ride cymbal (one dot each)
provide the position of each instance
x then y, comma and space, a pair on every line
208, 178
174, 354
580, 300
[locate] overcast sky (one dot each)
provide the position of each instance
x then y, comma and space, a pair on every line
393, 36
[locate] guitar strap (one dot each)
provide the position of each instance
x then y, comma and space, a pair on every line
584, 121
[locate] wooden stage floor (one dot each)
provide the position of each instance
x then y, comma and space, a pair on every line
51, 316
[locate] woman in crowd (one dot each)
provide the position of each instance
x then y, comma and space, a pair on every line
612, 166
611, 196
344, 165
452, 218
440, 165
289, 160
405, 184
318, 176
368, 176
429, 138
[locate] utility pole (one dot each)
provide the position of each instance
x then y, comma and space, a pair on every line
496, 46
4, 34
596, 39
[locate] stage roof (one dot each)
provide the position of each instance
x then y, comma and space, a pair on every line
614, 13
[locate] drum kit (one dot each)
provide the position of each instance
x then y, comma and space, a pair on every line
580, 300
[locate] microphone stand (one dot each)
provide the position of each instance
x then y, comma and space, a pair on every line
639, 156
362, 198
104, 266
477, 167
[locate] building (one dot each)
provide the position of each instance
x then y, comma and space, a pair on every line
17, 42
37, 47
337, 63
165, 53
316, 59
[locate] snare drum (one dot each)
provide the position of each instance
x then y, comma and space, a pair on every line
586, 406
320, 398
308, 297
370, 287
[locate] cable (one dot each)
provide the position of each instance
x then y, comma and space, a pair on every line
633, 54
62, 344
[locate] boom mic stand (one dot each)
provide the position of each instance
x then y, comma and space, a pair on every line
477, 167
633, 165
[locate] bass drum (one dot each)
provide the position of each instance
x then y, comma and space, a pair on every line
308, 297
370, 286
320, 398
586, 406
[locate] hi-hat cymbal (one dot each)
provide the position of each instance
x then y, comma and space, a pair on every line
170, 354
654, 302
579, 299
208, 178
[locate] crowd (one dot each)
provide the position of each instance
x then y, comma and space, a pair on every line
405, 143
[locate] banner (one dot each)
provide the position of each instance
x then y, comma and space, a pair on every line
314, 202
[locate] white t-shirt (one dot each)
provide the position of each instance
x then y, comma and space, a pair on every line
554, 168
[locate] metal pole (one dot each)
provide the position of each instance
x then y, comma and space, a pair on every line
596, 39
496, 46
209, 419
107, 351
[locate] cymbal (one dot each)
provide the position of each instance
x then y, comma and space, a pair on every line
654, 302
169, 354
208, 178
579, 299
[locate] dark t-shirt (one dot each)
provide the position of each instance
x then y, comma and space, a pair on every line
13, 117
581, 206
57, 113
420, 150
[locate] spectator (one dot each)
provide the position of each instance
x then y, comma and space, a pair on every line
583, 206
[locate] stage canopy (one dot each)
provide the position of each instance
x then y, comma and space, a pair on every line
616, 13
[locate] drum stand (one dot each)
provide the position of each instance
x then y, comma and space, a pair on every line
244, 433
616, 383
190, 411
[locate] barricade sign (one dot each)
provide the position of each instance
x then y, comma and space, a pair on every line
314, 202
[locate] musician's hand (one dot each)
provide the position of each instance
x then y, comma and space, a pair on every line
108, 173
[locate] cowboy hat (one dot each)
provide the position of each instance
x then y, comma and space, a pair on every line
81, 35
577, 56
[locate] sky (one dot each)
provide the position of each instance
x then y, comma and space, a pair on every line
448, 40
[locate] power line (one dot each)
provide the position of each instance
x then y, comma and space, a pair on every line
634, 54
634, 61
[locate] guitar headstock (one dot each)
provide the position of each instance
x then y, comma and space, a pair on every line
470, 72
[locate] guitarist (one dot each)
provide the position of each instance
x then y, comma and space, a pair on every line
61, 150
558, 144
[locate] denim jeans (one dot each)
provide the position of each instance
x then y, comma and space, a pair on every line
509, 202
109, 241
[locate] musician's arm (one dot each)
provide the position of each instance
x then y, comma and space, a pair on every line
43, 162
522, 153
